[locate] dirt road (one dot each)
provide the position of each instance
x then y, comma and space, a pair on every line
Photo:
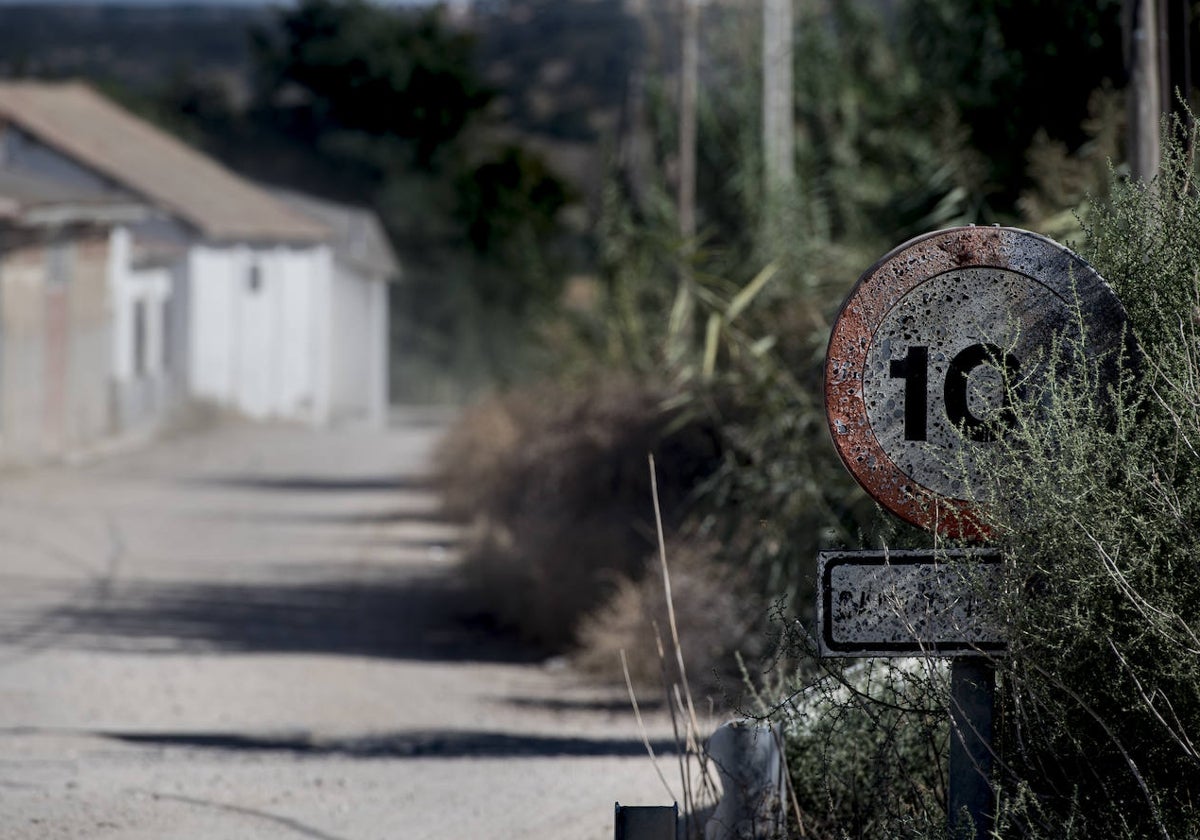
255, 632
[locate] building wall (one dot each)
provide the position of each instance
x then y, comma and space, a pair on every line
260, 327
143, 348
359, 364
21, 349
54, 342
19, 150
89, 371
381, 352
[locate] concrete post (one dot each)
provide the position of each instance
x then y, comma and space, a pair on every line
749, 759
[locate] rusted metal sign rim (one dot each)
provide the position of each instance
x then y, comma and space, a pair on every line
1056, 271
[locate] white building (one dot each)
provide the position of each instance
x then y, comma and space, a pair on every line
363, 266
226, 293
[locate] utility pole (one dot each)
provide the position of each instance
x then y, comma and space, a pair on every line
781, 217
779, 130
1158, 55
689, 82
1145, 89
682, 311
1175, 61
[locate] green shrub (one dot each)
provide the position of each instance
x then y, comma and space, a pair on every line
865, 749
1097, 502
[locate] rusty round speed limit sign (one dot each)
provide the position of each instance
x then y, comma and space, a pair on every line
929, 348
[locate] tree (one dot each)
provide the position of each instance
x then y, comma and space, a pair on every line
1012, 68
388, 107
352, 65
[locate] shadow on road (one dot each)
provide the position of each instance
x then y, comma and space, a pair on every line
413, 744
390, 516
424, 617
321, 483
591, 704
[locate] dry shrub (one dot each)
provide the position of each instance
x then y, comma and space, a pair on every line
710, 614
470, 461
556, 486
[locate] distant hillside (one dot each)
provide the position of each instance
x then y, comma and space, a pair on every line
561, 68
138, 46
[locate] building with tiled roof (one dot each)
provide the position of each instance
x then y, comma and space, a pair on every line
129, 153
222, 292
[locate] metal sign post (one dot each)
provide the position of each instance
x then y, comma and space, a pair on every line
924, 360
972, 705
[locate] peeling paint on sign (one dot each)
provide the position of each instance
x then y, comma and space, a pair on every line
931, 343
906, 603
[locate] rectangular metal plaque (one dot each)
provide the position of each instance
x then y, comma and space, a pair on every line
908, 603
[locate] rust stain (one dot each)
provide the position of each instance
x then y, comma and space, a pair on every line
877, 293
974, 246
874, 295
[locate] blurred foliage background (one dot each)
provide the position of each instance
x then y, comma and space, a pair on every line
505, 142
526, 158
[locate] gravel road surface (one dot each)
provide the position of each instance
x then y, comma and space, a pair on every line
256, 632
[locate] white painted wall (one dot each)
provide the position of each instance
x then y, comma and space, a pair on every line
359, 348
141, 391
262, 348
381, 353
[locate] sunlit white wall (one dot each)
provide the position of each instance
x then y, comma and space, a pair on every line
261, 329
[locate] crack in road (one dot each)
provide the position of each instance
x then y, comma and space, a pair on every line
286, 822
